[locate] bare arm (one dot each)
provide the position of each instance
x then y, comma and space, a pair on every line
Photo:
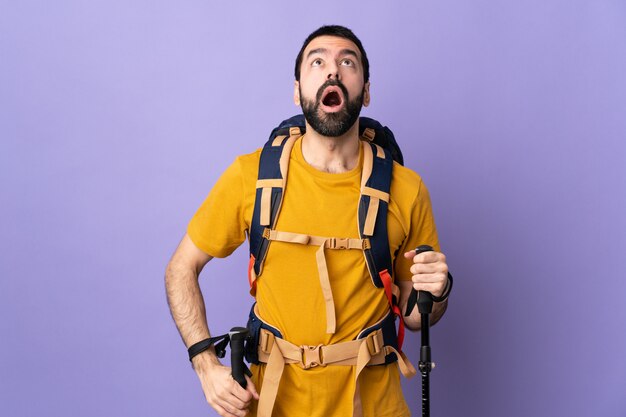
183, 291
187, 308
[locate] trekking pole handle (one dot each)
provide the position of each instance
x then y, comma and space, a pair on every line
423, 299
237, 338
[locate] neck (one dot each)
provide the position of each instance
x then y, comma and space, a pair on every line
331, 154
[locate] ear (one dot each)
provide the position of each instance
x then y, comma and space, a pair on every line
366, 94
296, 93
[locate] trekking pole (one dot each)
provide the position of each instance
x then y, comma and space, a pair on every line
238, 336
424, 301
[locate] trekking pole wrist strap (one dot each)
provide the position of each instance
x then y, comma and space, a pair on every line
220, 343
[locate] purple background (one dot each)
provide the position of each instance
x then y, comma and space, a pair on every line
116, 118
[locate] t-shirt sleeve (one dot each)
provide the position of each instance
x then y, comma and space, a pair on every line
422, 231
219, 227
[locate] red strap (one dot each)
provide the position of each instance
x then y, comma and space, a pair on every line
386, 279
250, 271
398, 313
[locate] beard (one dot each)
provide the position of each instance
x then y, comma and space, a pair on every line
332, 124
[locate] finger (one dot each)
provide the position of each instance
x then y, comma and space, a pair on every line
234, 403
229, 400
429, 268
427, 279
422, 269
251, 388
410, 254
428, 257
224, 412
434, 284
242, 394
434, 289
234, 406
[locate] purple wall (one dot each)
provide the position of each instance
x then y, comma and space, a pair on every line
116, 118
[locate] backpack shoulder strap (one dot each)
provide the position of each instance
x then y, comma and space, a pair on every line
373, 206
270, 186
373, 209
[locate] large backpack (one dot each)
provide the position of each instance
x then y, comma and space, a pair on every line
380, 150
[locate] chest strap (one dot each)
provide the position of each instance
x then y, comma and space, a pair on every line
322, 268
277, 352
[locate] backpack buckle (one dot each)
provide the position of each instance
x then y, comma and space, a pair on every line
338, 243
375, 343
266, 341
369, 134
312, 356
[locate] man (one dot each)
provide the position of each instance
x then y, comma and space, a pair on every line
321, 199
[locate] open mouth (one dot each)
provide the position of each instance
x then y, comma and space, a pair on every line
332, 99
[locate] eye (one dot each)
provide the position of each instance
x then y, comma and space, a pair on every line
347, 62
316, 63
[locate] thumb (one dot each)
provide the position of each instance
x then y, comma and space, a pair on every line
250, 387
410, 254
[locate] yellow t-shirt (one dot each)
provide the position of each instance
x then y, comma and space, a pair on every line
289, 295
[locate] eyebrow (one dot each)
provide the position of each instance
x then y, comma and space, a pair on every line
345, 51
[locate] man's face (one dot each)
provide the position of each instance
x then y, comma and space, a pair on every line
331, 89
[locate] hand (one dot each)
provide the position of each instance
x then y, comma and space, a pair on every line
221, 391
430, 271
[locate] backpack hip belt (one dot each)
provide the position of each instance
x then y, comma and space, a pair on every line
374, 345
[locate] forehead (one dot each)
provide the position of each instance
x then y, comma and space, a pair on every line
332, 44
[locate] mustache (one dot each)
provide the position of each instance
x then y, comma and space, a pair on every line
328, 83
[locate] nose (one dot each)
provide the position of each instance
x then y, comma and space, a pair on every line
333, 72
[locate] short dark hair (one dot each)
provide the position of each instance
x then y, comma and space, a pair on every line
338, 31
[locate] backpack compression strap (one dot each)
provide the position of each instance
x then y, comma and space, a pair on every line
273, 167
